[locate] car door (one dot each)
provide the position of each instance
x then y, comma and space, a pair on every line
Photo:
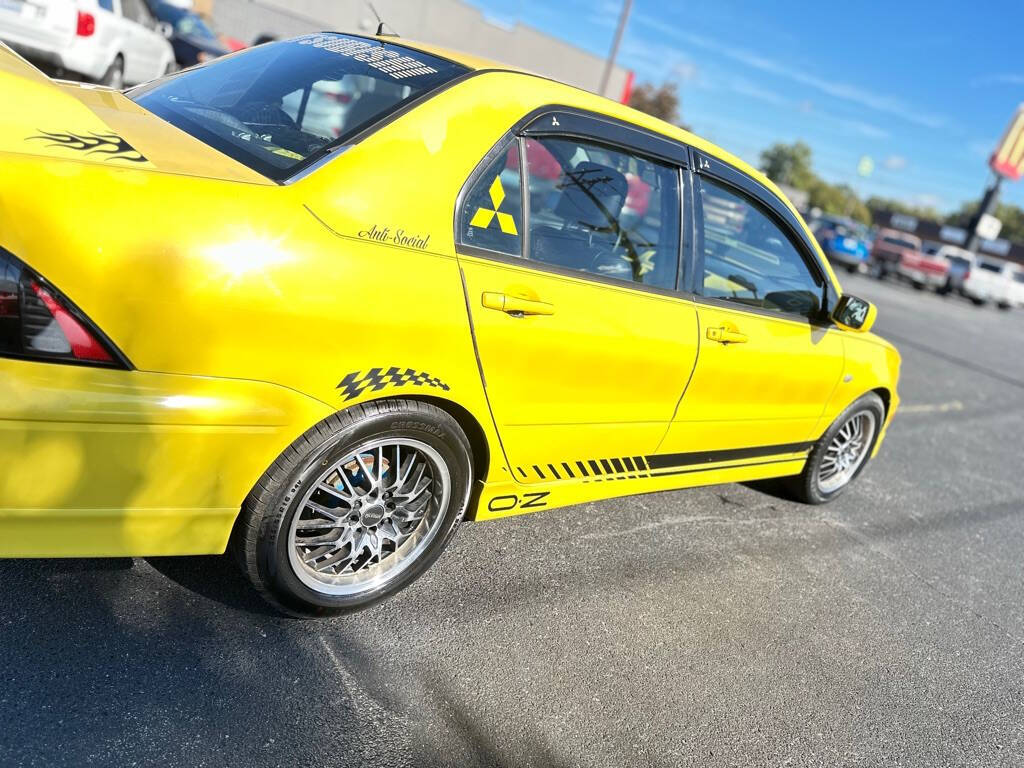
769, 358
570, 250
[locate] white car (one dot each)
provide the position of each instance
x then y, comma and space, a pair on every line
995, 280
113, 42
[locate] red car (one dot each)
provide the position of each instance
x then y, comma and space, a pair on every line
924, 269
889, 248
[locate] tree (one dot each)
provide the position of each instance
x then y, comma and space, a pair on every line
789, 164
839, 199
918, 211
660, 101
1011, 215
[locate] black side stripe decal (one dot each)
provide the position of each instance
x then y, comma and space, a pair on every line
655, 465
669, 460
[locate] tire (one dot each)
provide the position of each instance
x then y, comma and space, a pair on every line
1003, 306
918, 285
851, 268
364, 441
978, 302
114, 76
808, 486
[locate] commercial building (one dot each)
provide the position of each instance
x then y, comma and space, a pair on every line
449, 23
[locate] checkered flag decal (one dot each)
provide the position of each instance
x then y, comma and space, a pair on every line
376, 379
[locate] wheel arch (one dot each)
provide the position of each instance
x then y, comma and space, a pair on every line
469, 424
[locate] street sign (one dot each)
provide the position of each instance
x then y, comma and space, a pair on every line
1008, 159
988, 227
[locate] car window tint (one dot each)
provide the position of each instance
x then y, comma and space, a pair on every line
602, 211
283, 105
749, 260
492, 213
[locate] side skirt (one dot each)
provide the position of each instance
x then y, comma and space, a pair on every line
512, 498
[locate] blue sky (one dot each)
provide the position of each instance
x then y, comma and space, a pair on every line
923, 88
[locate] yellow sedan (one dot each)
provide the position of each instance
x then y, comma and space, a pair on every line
239, 310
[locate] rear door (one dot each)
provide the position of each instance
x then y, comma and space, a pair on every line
769, 357
570, 244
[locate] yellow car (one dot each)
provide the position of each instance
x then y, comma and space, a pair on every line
239, 309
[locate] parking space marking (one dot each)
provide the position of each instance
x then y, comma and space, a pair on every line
952, 405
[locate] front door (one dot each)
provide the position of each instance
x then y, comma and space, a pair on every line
767, 365
584, 345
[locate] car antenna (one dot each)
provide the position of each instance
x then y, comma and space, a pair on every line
381, 24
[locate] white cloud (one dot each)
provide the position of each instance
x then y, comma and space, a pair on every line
840, 90
1005, 78
895, 162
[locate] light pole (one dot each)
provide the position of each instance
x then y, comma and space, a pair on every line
609, 64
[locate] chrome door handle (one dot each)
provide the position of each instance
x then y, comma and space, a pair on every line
515, 305
726, 336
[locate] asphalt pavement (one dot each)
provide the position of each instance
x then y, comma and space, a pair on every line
718, 626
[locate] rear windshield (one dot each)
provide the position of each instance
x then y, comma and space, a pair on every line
280, 106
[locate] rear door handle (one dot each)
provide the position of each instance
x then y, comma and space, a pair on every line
515, 305
727, 336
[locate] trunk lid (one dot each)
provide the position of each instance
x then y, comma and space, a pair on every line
85, 123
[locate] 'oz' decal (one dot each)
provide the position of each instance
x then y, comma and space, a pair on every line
507, 503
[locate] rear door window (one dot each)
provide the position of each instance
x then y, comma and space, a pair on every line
603, 211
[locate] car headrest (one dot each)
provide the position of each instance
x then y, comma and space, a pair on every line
592, 195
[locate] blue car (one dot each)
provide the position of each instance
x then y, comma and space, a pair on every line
844, 241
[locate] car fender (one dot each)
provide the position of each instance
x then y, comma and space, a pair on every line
871, 365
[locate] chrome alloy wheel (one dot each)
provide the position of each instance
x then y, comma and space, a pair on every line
369, 516
847, 451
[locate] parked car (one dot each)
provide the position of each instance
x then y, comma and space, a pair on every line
113, 42
923, 269
888, 248
843, 240
192, 39
995, 280
960, 262
220, 328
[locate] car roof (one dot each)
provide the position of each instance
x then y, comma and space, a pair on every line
598, 104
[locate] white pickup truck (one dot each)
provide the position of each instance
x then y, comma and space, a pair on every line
113, 42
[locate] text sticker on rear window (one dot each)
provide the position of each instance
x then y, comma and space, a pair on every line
391, 63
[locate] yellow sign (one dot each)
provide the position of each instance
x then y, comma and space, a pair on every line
1008, 159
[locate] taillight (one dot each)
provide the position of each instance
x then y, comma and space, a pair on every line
86, 24
38, 322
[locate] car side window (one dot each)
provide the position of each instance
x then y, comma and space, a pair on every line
130, 10
603, 211
107, 5
492, 212
750, 260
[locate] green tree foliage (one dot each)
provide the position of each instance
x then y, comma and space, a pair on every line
919, 211
791, 164
660, 101
1011, 215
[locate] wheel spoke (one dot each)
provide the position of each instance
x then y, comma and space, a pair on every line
369, 515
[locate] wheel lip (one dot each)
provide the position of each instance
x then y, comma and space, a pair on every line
367, 585
843, 477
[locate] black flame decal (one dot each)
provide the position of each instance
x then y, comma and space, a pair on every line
109, 144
